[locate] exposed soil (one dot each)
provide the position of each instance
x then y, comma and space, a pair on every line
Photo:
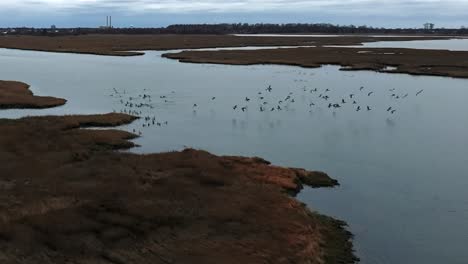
67, 196
410, 61
126, 45
18, 95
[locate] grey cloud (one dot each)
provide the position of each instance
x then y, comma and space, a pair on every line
374, 12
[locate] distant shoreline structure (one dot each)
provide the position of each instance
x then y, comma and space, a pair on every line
239, 28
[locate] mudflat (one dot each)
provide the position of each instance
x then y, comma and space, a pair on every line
129, 45
17, 95
409, 61
68, 196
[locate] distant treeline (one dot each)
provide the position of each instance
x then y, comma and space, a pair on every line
237, 29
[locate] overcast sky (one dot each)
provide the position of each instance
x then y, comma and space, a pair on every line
153, 13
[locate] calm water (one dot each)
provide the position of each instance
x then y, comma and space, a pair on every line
330, 35
404, 175
452, 44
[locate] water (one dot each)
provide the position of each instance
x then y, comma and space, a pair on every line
333, 35
403, 176
451, 44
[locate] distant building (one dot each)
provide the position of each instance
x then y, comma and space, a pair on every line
429, 26
108, 23
53, 27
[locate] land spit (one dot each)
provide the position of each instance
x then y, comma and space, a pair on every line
130, 45
17, 95
68, 196
409, 61
389, 60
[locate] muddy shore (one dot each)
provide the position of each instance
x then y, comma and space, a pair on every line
67, 196
17, 95
409, 61
129, 45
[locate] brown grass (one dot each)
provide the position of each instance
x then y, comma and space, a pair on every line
67, 197
18, 95
410, 61
126, 45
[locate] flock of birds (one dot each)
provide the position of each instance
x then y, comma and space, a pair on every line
263, 104
139, 105
265, 100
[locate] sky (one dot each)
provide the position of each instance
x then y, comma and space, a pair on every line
156, 13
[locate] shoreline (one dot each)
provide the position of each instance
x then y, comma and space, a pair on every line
81, 200
417, 62
442, 63
129, 45
95, 53
17, 95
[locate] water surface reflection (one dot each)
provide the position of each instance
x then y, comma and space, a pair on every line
403, 175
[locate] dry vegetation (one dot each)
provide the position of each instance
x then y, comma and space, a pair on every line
125, 45
410, 61
67, 196
18, 95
